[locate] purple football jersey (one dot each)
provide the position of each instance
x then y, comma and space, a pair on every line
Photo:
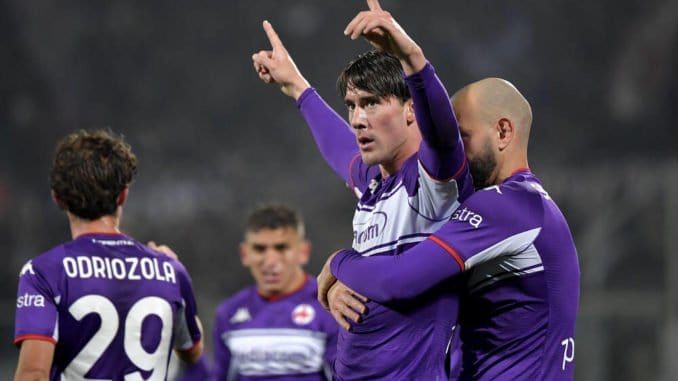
403, 340
289, 337
521, 272
113, 307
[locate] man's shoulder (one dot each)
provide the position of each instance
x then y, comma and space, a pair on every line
47, 261
235, 301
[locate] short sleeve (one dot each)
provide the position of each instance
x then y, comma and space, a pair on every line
36, 307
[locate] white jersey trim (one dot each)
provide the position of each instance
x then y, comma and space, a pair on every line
512, 257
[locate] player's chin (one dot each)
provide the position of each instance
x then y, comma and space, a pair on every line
370, 157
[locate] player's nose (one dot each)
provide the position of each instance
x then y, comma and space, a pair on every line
358, 119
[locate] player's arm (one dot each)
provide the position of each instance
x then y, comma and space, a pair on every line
384, 278
192, 354
332, 134
35, 360
35, 323
489, 224
441, 152
188, 327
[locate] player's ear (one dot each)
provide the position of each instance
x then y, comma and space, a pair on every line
304, 252
505, 132
58, 201
243, 255
409, 111
122, 197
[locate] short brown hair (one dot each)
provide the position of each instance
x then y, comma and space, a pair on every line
275, 216
89, 171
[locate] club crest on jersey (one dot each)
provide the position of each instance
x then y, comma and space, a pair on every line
303, 314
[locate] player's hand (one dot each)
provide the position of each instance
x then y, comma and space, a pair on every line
345, 304
382, 31
163, 249
276, 66
325, 281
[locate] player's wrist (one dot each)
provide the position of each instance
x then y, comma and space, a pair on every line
297, 89
413, 61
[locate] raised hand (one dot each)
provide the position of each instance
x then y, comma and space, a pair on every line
276, 66
382, 31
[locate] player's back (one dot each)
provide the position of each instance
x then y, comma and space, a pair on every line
113, 306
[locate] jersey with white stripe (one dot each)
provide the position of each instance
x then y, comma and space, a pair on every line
409, 340
113, 307
513, 248
284, 338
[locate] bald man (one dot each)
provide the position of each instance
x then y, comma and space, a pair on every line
509, 243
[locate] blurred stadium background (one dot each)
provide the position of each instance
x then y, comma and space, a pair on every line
176, 78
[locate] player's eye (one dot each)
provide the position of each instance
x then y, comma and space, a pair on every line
281, 247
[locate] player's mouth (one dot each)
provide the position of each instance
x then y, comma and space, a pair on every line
271, 277
365, 143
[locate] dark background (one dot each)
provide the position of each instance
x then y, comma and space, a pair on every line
176, 78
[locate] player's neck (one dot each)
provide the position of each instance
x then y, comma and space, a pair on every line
394, 165
106, 225
511, 167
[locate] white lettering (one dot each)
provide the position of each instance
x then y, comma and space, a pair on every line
568, 345
465, 215
28, 300
130, 268
84, 267
157, 270
108, 267
131, 274
169, 272
147, 268
70, 267
99, 267
118, 267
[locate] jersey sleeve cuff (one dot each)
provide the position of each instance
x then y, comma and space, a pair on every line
192, 347
19, 339
450, 251
305, 94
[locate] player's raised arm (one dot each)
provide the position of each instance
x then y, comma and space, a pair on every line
276, 66
383, 32
332, 134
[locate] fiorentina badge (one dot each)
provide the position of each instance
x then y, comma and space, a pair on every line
303, 314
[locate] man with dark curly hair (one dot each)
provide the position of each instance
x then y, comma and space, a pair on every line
101, 306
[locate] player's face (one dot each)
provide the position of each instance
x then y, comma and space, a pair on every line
478, 143
380, 126
275, 258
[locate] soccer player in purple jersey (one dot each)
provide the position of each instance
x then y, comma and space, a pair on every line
408, 169
510, 241
274, 329
102, 306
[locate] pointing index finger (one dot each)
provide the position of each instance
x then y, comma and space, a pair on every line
272, 36
374, 5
